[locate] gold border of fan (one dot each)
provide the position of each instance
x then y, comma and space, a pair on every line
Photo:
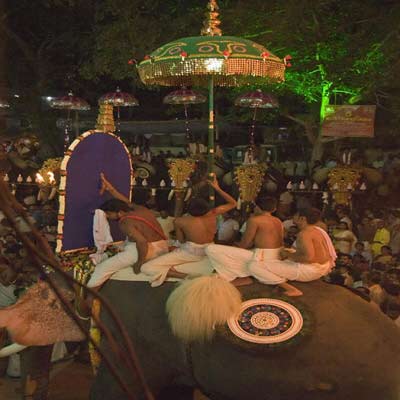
249, 179
342, 177
180, 169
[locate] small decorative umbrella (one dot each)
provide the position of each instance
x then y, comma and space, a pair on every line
256, 99
184, 97
119, 99
70, 102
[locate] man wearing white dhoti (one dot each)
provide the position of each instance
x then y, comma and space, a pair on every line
314, 256
263, 231
146, 238
194, 231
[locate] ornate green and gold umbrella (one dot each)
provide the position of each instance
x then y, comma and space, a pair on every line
211, 60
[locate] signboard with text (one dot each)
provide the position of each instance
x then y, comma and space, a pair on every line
349, 121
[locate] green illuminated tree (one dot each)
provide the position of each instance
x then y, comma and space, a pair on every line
343, 51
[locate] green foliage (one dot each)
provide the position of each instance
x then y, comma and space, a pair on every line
342, 50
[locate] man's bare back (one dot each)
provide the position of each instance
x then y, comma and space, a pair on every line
200, 230
263, 231
269, 233
312, 244
128, 225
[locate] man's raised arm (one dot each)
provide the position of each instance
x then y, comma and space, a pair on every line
230, 201
106, 186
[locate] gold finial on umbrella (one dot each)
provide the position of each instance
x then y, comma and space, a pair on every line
211, 24
105, 119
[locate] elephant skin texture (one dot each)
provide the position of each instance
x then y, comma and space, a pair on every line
351, 349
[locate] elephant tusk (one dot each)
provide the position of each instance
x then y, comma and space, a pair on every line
11, 349
188, 194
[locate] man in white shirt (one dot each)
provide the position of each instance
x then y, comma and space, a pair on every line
228, 229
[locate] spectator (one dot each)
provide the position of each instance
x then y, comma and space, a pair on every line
381, 237
228, 228
344, 239
291, 236
343, 216
359, 249
366, 230
385, 257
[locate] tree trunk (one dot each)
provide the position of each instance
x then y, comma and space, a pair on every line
317, 150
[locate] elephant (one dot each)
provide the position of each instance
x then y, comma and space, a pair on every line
347, 349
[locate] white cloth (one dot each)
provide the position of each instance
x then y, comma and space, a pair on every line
189, 258
167, 225
7, 296
101, 231
288, 223
264, 264
227, 229
119, 267
274, 272
232, 262
329, 245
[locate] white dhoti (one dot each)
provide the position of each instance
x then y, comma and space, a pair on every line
190, 258
263, 264
274, 272
232, 262
119, 267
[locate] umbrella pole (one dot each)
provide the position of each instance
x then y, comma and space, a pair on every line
66, 131
252, 131
187, 125
210, 160
118, 121
76, 124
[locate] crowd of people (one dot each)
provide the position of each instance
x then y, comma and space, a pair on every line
366, 240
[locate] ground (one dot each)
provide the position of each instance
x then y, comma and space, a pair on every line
63, 375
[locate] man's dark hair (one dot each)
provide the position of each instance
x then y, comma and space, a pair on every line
266, 203
198, 207
312, 215
115, 205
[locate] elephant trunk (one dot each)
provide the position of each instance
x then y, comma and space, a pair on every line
196, 306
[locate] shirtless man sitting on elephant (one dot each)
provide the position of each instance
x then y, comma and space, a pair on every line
268, 262
194, 232
146, 238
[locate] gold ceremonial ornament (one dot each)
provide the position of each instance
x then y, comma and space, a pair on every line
249, 178
105, 119
46, 174
342, 181
180, 171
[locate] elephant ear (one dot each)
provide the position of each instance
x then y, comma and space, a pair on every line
372, 176
321, 175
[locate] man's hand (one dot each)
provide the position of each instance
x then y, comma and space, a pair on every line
284, 254
212, 181
105, 185
136, 267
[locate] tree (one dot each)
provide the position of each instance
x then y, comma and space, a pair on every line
343, 51
43, 54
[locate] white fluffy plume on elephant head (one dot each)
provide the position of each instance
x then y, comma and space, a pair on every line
196, 306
